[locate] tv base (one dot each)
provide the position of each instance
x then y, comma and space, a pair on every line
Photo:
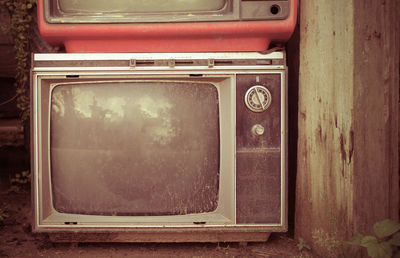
242, 237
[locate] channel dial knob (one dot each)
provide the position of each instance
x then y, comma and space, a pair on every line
258, 98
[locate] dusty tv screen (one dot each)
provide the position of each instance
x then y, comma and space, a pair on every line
139, 6
134, 148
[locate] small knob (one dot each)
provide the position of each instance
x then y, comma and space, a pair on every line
257, 130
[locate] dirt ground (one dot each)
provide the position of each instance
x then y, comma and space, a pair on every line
17, 240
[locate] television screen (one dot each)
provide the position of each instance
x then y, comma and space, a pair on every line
138, 148
139, 6
139, 11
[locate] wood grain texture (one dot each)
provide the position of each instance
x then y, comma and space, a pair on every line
348, 120
376, 98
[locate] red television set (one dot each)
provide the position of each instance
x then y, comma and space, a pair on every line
159, 147
166, 25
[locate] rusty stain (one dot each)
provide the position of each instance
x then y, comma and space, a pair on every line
303, 115
319, 133
343, 152
342, 149
375, 34
351, 148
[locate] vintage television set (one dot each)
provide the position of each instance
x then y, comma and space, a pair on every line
159, 147
166, 25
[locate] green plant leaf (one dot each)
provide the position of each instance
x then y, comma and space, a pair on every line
368, 241
302, 244
386, 228
395, 240
376, 249
355, 240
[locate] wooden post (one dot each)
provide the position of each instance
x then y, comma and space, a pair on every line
347, 172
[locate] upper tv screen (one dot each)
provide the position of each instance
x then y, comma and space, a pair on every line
139, 6
139, 11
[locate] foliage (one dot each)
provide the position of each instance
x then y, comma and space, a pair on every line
21, 14
384, 244
20, 181
302, 244
22, 178
328, 240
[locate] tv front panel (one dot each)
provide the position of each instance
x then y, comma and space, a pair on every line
166, 25
169, 144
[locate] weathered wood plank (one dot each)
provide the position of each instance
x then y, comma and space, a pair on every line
348, 120
376, 98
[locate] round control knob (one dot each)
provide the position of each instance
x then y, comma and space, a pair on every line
257, 130
258, 98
